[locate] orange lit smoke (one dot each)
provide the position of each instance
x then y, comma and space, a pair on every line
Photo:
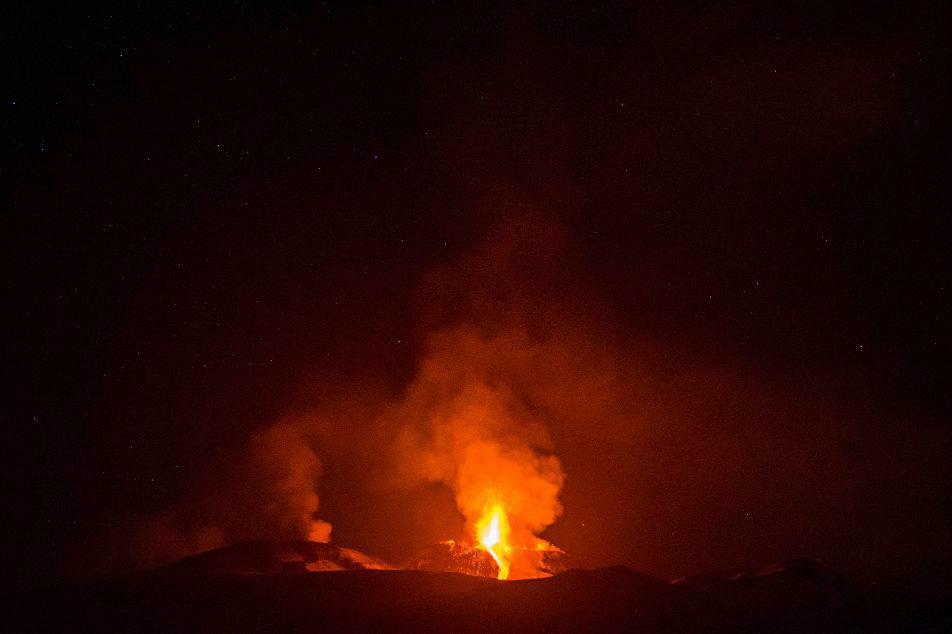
467, 429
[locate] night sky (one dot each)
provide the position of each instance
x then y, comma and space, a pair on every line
720, 231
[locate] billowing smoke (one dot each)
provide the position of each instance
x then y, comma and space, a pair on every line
611, 444
465, 421
264, 490
464, 425
284, 471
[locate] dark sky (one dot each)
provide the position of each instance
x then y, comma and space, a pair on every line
219, 217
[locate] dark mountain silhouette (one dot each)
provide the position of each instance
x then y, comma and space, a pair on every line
273, 586
810, 571
273, 557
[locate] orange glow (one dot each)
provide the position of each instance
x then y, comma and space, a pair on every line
493, 532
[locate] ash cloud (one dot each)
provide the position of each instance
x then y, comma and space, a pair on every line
265, 490
463, 424
612, 445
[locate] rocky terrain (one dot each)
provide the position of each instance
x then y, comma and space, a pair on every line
308, 586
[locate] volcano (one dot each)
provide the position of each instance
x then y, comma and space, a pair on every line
450, 556
302, 586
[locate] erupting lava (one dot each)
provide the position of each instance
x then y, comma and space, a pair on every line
493, 532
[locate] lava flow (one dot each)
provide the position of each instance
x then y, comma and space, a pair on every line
493, 532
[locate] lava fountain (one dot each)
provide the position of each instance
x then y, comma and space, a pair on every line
465, 426
493, 533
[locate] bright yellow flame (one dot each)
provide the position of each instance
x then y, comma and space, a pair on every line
493, 531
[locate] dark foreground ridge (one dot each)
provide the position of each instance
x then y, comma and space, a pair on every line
271, 586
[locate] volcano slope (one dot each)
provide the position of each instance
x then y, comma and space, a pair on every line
272, 586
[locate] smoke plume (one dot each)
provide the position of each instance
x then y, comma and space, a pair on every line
464, 425
612, 445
